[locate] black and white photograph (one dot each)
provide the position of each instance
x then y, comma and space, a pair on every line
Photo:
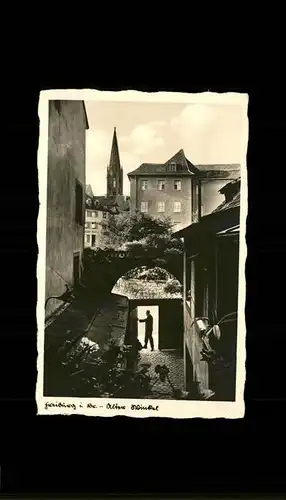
141, 236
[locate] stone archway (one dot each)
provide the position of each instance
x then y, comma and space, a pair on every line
102, 268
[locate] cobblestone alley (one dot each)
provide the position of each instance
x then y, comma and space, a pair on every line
174, 361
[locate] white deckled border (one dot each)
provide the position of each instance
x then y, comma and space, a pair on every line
173, 409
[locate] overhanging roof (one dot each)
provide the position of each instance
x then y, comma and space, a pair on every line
232, 231
212, 224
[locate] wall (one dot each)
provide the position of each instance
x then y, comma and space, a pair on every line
133, 189
198, 371
217, 267
169, 196
194, 346
66, 163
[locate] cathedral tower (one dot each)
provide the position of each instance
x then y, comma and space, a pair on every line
114, 170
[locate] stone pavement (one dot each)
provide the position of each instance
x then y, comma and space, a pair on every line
174, 361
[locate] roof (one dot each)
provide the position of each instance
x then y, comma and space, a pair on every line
101, 203
231, 187
219, 219
229, 231
231, 190
88, 190
229, 170
138, 289
184, 167
219, 166
235, 202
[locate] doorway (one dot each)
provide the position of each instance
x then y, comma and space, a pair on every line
154, 311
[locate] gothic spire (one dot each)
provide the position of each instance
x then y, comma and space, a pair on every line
114, 162
114, 170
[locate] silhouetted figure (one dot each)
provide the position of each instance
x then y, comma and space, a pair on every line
148, 330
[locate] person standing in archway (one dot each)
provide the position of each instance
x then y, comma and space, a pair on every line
148, 330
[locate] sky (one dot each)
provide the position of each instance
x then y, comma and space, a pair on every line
154, 132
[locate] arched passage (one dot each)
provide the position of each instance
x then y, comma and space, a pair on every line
103, 268
158, 291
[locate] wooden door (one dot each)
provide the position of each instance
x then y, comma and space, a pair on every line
133, 325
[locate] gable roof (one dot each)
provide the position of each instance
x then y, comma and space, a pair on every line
184, 167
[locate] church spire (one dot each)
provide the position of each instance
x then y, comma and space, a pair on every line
114, 161
114, 170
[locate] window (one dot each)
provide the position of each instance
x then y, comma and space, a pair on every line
114, 183
161, 206
161, 185
87, 225
93, 214
104, 215
93, 240
78, 203
177, 206
172, 166
87, 238
144, 206
144, 185
177, 185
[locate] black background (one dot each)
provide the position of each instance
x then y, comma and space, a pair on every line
45, 455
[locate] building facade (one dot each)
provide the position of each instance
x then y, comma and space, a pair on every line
114, 178
178, 189
164, 190
98, 209
211, 266
65, 199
